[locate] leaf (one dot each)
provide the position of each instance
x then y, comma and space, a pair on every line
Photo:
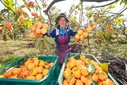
4, 10
37, 42
91, 68
22, 6
23, 0
112, 6
41, 46
46, 46
4, 37
9, 4
104, 67
16, 18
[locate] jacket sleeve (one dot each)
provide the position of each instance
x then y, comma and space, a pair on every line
72, 32
53, 33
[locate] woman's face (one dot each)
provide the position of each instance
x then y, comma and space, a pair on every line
62, 22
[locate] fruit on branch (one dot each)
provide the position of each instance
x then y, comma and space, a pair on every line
1, 29
8, 26
32, 35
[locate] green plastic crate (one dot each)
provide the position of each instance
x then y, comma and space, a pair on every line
49, 79
60, 78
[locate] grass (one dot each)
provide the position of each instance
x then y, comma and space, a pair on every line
12, 49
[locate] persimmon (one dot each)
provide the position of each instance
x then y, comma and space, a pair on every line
108, 82
1, 29
45, 71
8, 26
41, 63
26, 3
81, 37
93, 25
38, 76
31, 4
77, 36
40, 69
83, 79
14, 76
87, 61
67, 73
95, 77
79, 82
88, 82
109, 25
84, 71
25, 73
38, 31
36, 62
71, 79
94, 62
71, 64
32, 35
47, 66
51, 64
23, 68
89, 29
33, 71
45, 26
28, 7
85, 34
65, 82
16, 71
30, 66
76, 72
30, 77
80, 32
32, 28
30, 60
78, 63
21, 19
82, 58
7, 74
98, 68
44, 31
102, 75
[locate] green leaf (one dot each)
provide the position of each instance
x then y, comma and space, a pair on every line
37, 42
104, 67
9, 4
41, 46
112, 6
4, 10
16, 17
91, 68
23, 0
22, 6
46, 46
94, 83
4, 37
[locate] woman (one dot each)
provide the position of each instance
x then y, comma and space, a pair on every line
62, 36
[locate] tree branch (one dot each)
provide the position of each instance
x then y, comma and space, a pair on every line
51, 4
74, 9
95, 0
39, 6
103, 5
119, 13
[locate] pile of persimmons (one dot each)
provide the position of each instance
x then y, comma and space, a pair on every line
84, 33
38, 30
84, 71
33, 69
